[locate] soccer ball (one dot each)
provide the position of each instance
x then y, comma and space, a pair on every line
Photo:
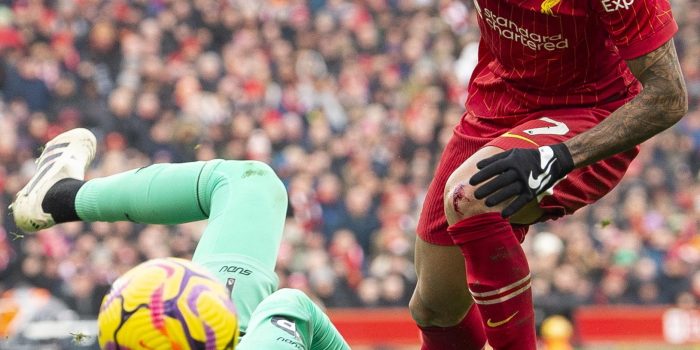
167, 304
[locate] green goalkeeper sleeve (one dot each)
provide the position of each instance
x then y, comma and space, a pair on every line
288, 319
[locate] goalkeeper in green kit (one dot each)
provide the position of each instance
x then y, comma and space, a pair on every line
245, 202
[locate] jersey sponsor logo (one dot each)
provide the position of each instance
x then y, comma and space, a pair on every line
511, 30
547, 6
614, 5
493, 324
557, 128
295, 344
235, 269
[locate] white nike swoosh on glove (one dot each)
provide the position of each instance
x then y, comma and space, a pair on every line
546, 161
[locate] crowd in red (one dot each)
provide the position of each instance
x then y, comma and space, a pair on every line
351, 103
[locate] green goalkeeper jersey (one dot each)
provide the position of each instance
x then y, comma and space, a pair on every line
245, 203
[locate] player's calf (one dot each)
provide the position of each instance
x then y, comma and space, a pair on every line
441, 302
426, 315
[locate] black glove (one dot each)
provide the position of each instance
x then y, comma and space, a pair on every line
522, 173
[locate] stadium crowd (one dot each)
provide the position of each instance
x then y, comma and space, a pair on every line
350, 102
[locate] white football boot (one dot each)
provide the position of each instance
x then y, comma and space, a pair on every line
65, 156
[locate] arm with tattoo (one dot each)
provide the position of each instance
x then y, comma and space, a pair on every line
662, 103
526, 173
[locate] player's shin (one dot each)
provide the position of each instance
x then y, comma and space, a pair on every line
467, 335
499, 280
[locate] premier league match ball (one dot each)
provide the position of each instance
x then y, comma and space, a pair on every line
167, 304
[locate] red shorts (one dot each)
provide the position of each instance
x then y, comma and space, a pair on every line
580, 187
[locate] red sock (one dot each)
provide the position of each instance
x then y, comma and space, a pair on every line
467, 335
499, 280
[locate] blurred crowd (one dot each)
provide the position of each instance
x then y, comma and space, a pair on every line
351, 103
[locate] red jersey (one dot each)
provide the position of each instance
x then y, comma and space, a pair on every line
543, 54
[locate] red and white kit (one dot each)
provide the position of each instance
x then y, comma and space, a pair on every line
547, 71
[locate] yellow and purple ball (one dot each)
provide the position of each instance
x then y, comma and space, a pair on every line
167, 304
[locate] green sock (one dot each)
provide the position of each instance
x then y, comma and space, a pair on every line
245, 202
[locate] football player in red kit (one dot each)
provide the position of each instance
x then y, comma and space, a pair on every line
563, 93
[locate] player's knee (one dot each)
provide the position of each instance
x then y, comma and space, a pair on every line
258, 176
459, 201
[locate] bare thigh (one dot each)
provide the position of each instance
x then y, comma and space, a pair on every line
459, 194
